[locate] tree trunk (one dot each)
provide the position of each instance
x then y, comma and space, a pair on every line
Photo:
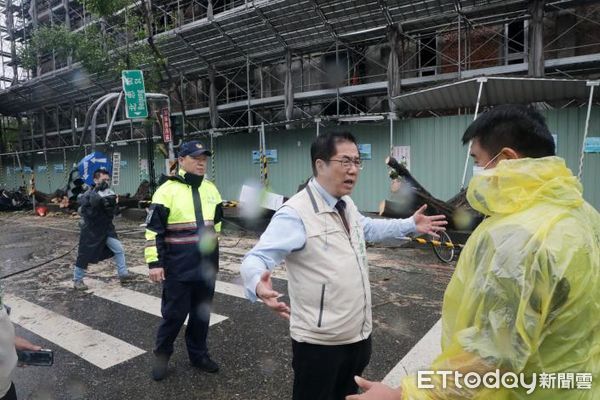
536, 39
457, 210
395, 65
146, 10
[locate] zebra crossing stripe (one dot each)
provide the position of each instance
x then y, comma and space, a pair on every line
233, 268
131, 298
227, 288
98, 348
230, 289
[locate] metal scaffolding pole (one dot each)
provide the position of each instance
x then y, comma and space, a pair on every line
481, 82
318, 122
337, 86
592, 85
114, 116
213, 164
101, 104
248, 91
458, 40
392, 117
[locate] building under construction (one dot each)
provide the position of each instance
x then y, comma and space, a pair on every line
267, 75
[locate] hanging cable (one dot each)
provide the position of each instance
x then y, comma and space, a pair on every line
40, 264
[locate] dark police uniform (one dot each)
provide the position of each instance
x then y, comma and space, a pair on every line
182, 224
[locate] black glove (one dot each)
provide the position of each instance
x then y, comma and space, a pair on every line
109, 203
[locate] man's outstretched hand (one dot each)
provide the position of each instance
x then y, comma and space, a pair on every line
430, 224
265, 292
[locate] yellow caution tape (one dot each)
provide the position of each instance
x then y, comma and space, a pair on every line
436, 243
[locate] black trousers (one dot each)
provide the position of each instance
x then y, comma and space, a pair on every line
327, 372
11, 394
180, 299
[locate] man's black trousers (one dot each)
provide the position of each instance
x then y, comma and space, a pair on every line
180, 299
327, 372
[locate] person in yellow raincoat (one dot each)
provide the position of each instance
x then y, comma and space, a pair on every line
525, 296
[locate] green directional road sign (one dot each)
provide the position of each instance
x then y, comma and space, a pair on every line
135, 94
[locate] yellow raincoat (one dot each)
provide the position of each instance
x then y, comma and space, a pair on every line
525, 296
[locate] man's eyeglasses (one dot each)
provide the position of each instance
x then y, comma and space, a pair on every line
348, 162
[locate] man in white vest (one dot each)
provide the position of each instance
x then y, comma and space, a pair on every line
321, 235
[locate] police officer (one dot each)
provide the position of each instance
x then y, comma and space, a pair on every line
182, 252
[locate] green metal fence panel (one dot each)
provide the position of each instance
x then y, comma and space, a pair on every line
235, 165
437, 157
437, 154
55, 175
569, 126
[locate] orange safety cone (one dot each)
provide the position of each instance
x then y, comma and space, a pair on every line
41, 211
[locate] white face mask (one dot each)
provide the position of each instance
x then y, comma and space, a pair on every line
477, 170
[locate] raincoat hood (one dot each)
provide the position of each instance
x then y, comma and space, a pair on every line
515, 185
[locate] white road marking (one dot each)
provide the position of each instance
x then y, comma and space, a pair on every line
230, 289
98, 348
131, 298
227, 288
419, 357
234, 267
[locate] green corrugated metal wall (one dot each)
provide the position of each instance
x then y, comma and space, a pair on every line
569, 125
234, 164
437, 154
49, 180
437, 157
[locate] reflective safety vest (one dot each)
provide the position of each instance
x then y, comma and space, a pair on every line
181, 228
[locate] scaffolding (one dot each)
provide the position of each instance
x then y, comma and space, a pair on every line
242, 64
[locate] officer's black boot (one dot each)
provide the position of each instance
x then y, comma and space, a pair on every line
206, 365
159, 368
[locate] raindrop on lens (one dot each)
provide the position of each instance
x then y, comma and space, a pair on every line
208, 241
462, 219
203, 311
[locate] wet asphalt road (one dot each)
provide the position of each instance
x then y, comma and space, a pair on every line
252, 346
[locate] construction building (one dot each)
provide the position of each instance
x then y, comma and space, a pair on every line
403, 75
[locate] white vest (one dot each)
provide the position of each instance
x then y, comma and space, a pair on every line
328, 279
8, 356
